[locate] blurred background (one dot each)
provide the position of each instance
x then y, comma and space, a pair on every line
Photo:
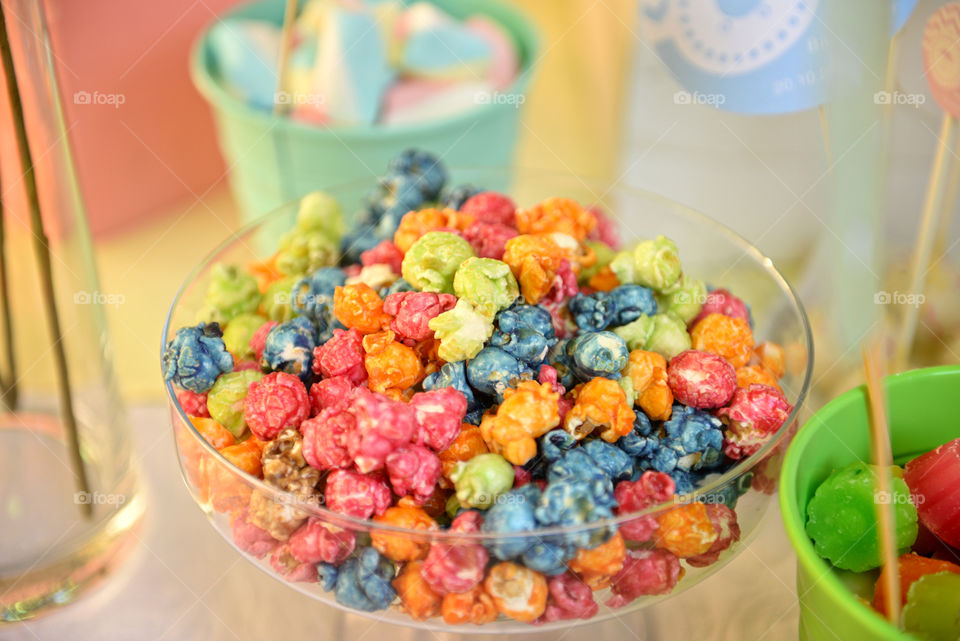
833, 195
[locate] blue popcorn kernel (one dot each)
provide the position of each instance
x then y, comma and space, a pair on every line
512, 512
195, 357
559, 358
425, 168
289, 348
312, 295
596, 354
454, 198
575, 465
547, 557
616, 463
571, 503
555, 443
363, 582
493, 370
526, 332
594, 312
641, 442
452, 375
632, 302
696, 436
399, 285
327, 576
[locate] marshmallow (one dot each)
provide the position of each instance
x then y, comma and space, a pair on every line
446, 52
415, 100
245, 52
504, 62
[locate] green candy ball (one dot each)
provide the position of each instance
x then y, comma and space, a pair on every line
225, 399
487, 284
462, 332
684, 300
239, 331
277, 300
321, 213
482, 479
664, 334
431, 263
652, 263
842, 518
231, 292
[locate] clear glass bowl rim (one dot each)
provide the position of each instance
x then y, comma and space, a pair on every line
354, 523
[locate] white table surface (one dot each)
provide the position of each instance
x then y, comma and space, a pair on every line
184, 582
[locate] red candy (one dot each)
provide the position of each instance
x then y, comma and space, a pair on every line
456, 567
412, 311
564, 285
316, 541
414, 469
383, 425
569, 598
290, 568
752, 417
701, 379
277, 401
342, 355
491, 207
644, 572
325, 439
354, 494
439, 415
330, 392
193, 404
724, 521
386, 253
488, 240
933, 479
548, 374
259, 338
250, 538
633, 496
721, 301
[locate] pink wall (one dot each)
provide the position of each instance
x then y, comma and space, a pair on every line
157, 147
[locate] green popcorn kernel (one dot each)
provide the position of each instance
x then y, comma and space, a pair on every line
321, 213
231, 292
303, 252
239, 331
626, 384
486, 283
462, 331
669, 336
657, 263
278, 299
481, 480
636, 333
430, 264
604, 254
684, 300
225, 399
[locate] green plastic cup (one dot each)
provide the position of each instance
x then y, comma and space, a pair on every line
837, 435
275, 160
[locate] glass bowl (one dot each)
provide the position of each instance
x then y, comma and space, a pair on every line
708, 250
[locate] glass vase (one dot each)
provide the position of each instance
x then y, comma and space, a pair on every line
69, 507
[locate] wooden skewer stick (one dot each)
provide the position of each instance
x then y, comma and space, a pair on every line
948, 204
42, 250
882, 458
8, 378
825, 131
932, 210
286, 39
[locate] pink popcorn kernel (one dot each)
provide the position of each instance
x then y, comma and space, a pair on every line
352, 270
342, 355
332, 392
753, 416
412, 311
277, 401
564, 284
548, 374
491, 207
569, 598
193, 404
383, 425
413, 469
316, 541
488, 240
290, 568
439, 414
701, 379
650, 489
354, 494
250, 538
386, 253
721, 301
724, 521
644, 572
456, 567
325, 439
259, 338
239, 366
606, 230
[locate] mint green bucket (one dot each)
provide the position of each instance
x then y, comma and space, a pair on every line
274, 160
